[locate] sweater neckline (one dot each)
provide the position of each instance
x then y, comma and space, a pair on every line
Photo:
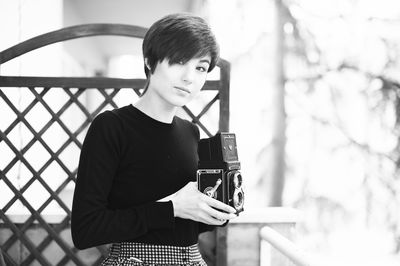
150, 120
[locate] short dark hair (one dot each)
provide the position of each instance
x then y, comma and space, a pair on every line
179, 38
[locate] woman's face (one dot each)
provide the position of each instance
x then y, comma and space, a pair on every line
177, 84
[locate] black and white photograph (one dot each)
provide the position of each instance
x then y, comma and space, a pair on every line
200, 132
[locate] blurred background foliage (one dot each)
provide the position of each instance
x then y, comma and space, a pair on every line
342, 116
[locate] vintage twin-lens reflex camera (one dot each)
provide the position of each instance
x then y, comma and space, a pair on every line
218, 175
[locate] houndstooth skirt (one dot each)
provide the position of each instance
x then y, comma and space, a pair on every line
138, 254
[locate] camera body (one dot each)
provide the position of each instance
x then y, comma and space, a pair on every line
218, 174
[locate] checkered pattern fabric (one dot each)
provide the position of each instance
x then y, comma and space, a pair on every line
127, 253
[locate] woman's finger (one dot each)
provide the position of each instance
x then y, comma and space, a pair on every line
218, 204
217, 214
207, 219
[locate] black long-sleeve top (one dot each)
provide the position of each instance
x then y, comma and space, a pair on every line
129, 161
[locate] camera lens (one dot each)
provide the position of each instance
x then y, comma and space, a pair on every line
238, 199
237, 180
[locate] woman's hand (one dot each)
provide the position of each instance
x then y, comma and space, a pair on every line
189, 203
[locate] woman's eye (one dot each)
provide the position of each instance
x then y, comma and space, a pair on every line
202, 69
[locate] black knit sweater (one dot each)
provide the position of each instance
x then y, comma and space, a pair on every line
128, 162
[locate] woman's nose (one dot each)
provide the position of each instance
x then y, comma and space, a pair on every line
188, 74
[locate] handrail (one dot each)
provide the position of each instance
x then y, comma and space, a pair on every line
285, 246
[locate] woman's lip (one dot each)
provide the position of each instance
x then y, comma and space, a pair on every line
182, 89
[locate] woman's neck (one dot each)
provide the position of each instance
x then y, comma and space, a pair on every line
156, 108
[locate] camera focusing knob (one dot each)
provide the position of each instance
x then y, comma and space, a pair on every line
212, 191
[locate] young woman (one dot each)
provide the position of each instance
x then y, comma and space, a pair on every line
135, 186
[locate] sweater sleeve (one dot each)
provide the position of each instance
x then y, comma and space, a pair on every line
93, 223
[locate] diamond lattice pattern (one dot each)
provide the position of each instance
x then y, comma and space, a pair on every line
41, 133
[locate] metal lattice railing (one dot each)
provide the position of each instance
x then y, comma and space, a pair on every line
26, 163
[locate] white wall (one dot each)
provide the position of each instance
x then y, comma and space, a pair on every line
95, 52
21, 20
